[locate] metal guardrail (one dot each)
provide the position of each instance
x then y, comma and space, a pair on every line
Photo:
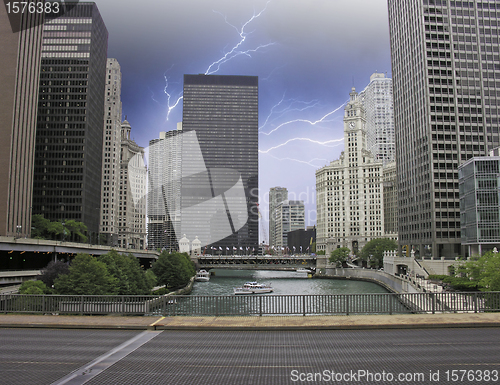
187, 305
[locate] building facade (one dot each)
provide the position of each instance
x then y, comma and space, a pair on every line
19, 77
276, 196
132, 193
391, 220
301, 241
479, 205
379, 111
164, 194
108, 231
223, 191
69, 133
349, 191
289, 216
445, 66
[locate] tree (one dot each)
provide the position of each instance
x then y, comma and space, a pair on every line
39, 227
77, 230
130, 277
33, 287
484, 271
373, 252
339, 256
87, 276
173, 270
55, 230
53, 270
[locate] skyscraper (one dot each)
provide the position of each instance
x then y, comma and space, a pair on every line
111, 154
289, 216
276, 196
223, 111
132, 193
19, 77
379, 109
445, 66
69, 136
164, 194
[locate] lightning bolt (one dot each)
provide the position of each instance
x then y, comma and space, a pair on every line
325, 143
310, 122
235, 51
231, 54
288, 108
309, 163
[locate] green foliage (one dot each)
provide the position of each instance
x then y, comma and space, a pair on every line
483, 272
339, 256
437, 277
125, 269
39, 226
374, 251
151, 279
33, 287
161, 291
44, 229
77, 230
53, 270
321, 252
455, 283
173, 270
87, 276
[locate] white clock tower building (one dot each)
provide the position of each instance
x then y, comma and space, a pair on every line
350, 190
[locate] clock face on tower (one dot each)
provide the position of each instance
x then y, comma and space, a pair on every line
352, 124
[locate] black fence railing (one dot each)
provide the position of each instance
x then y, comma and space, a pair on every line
188, 305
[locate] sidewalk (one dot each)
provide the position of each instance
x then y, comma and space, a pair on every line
353, 322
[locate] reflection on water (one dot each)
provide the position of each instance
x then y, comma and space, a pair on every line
223, 281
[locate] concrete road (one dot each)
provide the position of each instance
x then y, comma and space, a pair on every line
96, 357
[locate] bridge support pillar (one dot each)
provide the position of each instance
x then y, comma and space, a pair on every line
321, 262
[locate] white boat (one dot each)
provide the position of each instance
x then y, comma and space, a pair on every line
253, 288
302, 270
202, 276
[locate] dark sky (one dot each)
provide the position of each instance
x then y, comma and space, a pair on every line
307, 55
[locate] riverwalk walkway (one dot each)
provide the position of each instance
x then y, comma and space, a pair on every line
352, 322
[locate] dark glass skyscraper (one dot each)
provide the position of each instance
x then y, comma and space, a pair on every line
223, 110
69, 138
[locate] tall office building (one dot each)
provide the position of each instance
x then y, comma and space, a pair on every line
111, 154
19, 77
349, 191
132, 193
379, 111
289, 216
276, 196
223, 111
164, 194
445, 66
69, 135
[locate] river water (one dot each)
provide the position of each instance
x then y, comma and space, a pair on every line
222, 282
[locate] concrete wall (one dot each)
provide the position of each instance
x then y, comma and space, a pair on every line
390, 282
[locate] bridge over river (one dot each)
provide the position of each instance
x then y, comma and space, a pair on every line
256, 262
35, 254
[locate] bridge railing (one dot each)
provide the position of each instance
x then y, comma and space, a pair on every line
242, 305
